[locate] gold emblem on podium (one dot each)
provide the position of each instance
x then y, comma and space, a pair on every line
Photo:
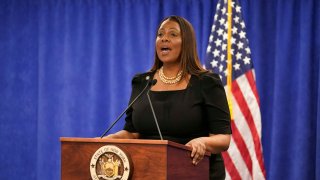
110, 163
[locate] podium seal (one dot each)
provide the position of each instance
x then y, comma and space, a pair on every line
111, 163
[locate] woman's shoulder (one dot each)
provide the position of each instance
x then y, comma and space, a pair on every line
142, 77
209, 77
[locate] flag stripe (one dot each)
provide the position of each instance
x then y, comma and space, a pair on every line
227, 176
233, 172
248, 117
253, 104
244, 129
252, 83
237, 160
242, 147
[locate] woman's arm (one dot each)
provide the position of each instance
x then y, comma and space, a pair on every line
123, 134
215, 143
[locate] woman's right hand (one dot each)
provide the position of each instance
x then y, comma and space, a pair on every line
123, 134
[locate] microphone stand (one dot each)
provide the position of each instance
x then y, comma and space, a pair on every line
118, 118
154, 115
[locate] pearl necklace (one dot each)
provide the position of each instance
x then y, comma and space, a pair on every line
169, 80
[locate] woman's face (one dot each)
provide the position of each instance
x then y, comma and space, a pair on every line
168, 42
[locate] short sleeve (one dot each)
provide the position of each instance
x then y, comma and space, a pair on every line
138, 83
216, 107
128, 124
128, 120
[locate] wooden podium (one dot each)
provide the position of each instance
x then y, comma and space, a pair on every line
151, 159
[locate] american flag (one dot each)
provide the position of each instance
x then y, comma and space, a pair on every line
244, 158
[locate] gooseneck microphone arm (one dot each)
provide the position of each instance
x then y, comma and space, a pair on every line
154, 115
150, 83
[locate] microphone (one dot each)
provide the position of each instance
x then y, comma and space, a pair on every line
154, 115
149, 83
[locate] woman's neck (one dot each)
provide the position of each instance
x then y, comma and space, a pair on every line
171, 70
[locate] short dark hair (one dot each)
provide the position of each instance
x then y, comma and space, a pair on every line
189, 59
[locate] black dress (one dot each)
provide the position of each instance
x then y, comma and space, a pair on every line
197, 111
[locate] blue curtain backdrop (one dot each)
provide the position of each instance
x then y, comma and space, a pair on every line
66, 69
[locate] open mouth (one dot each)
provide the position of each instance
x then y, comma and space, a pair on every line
165, 49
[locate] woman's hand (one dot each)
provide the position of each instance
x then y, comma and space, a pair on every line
123, 134
198, 150
215, 144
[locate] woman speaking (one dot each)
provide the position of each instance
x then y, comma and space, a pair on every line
189, 102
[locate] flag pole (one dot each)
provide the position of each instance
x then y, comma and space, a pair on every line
229, 58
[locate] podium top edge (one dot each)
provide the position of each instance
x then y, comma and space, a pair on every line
123, 141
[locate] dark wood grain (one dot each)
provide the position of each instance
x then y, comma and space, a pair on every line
152, 159
180, 165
